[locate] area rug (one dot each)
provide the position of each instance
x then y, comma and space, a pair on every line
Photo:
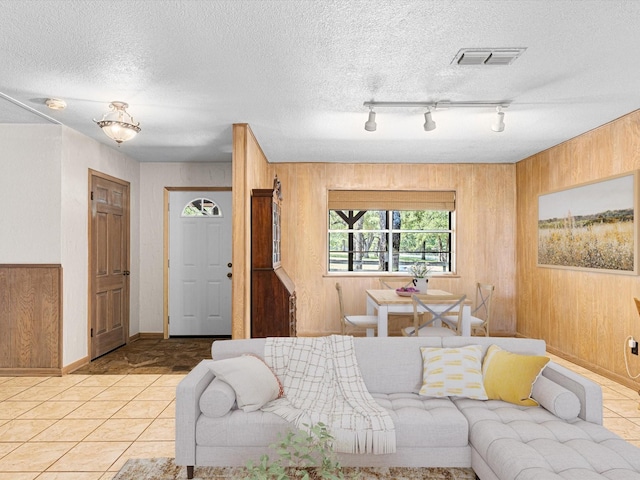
166, 469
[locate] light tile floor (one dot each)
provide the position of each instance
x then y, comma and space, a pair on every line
82, 427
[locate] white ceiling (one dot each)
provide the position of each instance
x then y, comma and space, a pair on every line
299, 71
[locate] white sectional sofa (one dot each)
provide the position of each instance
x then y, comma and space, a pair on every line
563, 438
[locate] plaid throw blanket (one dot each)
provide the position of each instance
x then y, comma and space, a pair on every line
322, 383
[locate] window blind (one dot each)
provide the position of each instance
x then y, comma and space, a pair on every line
391, 200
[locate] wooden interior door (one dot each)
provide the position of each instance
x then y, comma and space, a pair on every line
109, 258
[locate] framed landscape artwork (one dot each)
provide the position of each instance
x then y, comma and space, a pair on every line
591, 226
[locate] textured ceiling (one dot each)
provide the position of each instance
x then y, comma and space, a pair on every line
298, 73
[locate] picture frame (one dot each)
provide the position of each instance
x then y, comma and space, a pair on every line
591, 226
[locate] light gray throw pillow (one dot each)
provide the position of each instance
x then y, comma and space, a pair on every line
558, 400
252, 380
218, 398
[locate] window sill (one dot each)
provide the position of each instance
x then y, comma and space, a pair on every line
382, 274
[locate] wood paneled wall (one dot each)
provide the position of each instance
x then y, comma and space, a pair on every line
250, 170
485, 233
30, 320
583, 316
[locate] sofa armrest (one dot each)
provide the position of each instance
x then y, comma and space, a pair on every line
589, 393
188, 394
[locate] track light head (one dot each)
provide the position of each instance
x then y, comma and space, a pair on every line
429, 124
498, 125
371, 125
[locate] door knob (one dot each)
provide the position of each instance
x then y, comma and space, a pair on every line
229, 275
126, 273
229, 265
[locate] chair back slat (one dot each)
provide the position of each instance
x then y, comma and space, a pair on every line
395, 283
451, 306
482, 308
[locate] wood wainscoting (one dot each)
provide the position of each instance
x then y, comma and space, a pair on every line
30, 319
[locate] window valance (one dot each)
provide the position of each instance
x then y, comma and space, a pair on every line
391, 200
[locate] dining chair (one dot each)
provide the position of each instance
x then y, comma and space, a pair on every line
354, 322
437, 307
397, 321
481, 313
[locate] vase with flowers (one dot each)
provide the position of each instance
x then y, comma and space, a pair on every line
420, 272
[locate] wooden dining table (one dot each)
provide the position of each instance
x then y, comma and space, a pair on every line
385, 301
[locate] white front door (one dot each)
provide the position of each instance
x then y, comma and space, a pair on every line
199, 263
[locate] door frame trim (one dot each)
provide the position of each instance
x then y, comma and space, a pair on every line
95, 173
165, 255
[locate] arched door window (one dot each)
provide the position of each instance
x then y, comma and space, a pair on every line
201, 207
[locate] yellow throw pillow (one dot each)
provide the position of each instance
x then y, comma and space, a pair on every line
510, 376
452, 372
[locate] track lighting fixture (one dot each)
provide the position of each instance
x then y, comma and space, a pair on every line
429, 124
498, 125
371, 125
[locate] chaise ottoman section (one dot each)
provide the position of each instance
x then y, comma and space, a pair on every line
512, 442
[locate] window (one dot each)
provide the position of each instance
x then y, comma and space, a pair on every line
201, 207
386, 231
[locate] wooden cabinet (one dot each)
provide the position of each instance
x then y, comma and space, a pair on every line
30, 320
273, 297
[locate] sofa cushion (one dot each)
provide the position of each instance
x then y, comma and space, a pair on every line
452, 372
558, 400
217, 399
525, 443
509, 376
525, 346
424, 421
392, 364
251, 378
419, 422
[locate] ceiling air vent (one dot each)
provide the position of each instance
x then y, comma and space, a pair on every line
487, 56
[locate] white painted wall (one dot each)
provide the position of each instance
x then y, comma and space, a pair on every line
44, 207
79, 154
30, 193
154, 177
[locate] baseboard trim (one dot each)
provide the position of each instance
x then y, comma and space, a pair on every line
150, 335
75, 365
134, 337
30, 372
621, 379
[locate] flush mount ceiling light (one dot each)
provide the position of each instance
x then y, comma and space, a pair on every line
498, 125
118, 124
55, 104
429, 124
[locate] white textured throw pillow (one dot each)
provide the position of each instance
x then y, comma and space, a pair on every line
558, 400
217, 399
251, 378
452, 372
